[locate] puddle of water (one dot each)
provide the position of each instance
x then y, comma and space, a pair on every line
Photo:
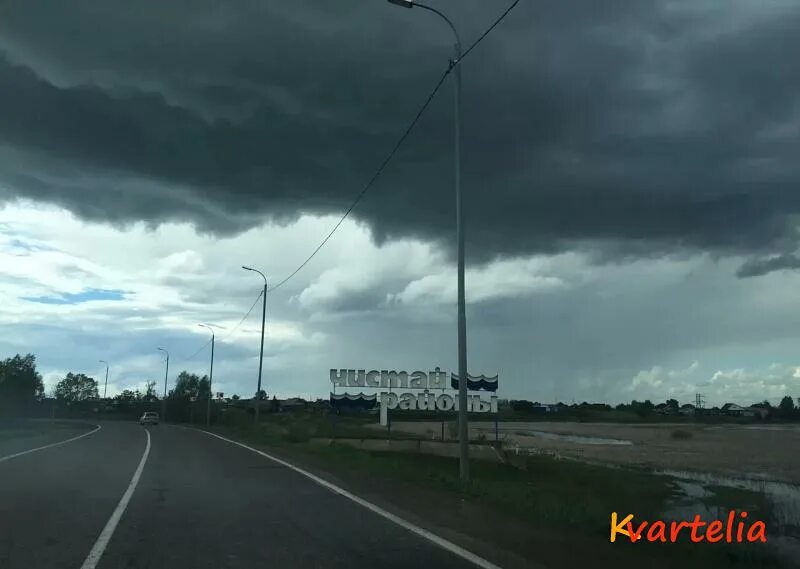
582, 440
783, 497
692, 490
770, 427
784, 501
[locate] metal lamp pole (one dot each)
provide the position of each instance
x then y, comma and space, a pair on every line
164, 400
105, 387
463, 427
210, 376
261, 356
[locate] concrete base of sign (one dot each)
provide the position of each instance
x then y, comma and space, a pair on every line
438, 448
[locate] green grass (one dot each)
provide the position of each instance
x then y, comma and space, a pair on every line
556, 493
561, 493
538, 492
303, 425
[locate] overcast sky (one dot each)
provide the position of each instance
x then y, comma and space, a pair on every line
630, 175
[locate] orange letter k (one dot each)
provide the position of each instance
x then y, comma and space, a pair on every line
619, 527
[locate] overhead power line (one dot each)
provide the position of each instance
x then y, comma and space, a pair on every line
377, 173
228, 335
372, 180
489, 29
397, 145
194, 355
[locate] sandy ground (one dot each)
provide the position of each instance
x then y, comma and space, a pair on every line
752, 451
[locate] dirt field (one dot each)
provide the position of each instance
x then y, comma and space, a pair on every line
742, 451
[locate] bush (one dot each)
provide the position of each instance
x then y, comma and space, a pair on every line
680, 434
297, 433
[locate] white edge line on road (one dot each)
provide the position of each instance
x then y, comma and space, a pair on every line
105, 536
51, 445
415, 529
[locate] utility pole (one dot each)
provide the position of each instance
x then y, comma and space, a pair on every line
164, 400
105, 387
261, 356
210, 376
463, 377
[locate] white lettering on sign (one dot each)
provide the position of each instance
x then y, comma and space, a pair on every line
407, 402
339, 377
437, 379
373, 379
419, 380
389, 379
433, 384
389, 400
356, 378
394, 379
444, 403
427, 401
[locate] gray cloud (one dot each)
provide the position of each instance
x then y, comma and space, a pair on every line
760, 267
627, 125
590, 338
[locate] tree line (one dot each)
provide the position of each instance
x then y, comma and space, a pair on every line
20, 384
21, 387
786, 409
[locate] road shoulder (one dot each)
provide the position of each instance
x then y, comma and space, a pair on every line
481, 531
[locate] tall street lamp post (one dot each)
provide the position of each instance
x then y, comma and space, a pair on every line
164, 400
261, 356
105, 387
463, 427
210, 376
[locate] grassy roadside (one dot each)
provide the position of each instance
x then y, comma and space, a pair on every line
554, 511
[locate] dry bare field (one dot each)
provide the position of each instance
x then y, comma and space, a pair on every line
751, 451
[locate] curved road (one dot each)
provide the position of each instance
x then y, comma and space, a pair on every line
200, 503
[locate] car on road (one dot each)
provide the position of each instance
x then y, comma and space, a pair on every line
149, 418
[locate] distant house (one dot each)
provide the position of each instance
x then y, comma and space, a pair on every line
687, 409
664, 409
733, 410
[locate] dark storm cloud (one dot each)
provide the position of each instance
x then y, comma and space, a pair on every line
631, 122
760, 267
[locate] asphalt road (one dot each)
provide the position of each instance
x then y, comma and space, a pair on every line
200, 503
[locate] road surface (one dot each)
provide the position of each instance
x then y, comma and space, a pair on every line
199, 502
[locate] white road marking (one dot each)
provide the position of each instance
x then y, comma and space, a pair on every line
51, 445
105, 536
415, 529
